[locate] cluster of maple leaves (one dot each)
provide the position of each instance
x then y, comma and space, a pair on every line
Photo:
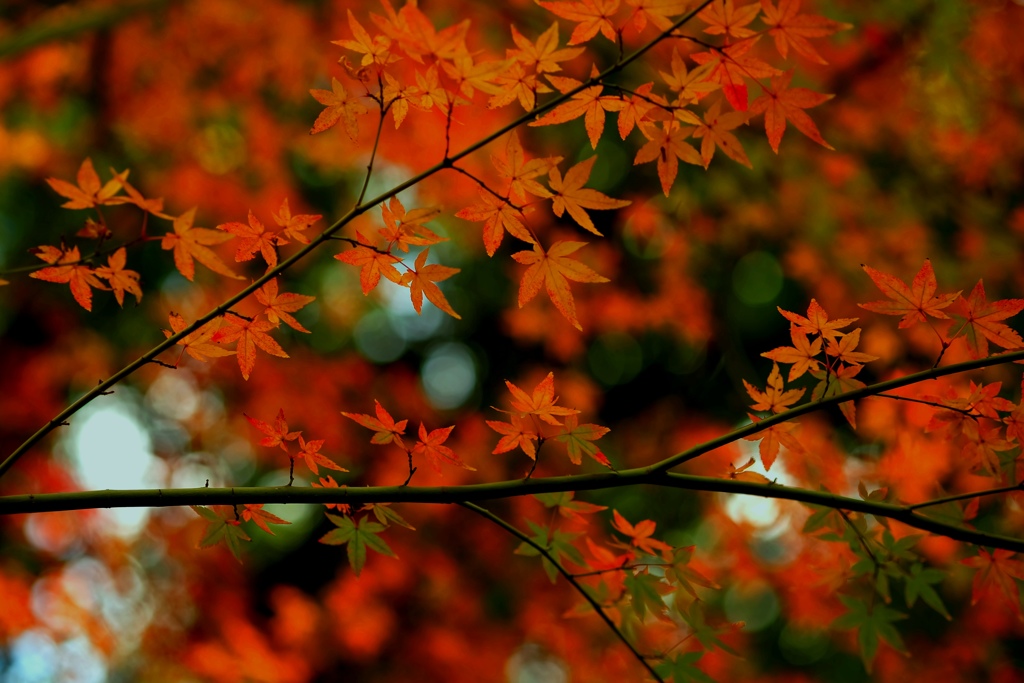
704, 95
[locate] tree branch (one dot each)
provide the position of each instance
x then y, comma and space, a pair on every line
85, 500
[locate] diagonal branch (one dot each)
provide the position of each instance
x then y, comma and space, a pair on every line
568, 576
326, 235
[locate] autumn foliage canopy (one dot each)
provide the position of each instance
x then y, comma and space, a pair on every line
592, 340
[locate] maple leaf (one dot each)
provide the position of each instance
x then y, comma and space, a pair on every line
996, 572
154, 206
667, 145
790, 29
839, 382
310, 452
254, 512
816, 322
566, 506
388, 431
431, 446
541, 403
723, 17
471, 77
843, 349
252, 238
197, 343
741, 473
373, 263
498, 216
221, 530
521, 173
406, 228
294, 227
415, 34
657, 12
689, 86
515, 84
773, 398
329, 483
250, 335
340, 107
731, 66
571, 196
279, 307
591, 16
375, 50
518, 432
978, 322
120, 279
543, 55
715, 131
554, 269
89, 192
68, 268
578, 439
781, 103
772, 439
800, 355
910, 302
872, 621
421, 281
588, 103
640, 535
636, 107
190, 243
276, 434
357, 539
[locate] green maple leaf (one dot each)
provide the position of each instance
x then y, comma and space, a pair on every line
873, 623
221, 530
358, 538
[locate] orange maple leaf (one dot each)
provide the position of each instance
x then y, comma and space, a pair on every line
723, 17
276, 434
789, 28
120, 279
189, 243
252, 238
250, 335
640, 535
571, 196
541, 403
517, 432
498, 216
372, 262
375, 50
667, 145
996, 572
978, 322
388, 431
404, 228
588, 103
543, 55
431, 446
197, 343
772, 439
554, 269
591, 16
731, 67
254, 512
294, 227
842, 349
782, 103
816, 322
89, 191
521, 173
279, 307
657, 12
773, 398
715, 131
421, 281
801, 355
911, 302
310, 452
339, 107
68, 268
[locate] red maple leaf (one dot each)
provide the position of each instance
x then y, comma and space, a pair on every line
68, 267
431, 446
254, 238
421, 282
250, 335
554, 269
310, 452
914, 302
276, 434
978, 321
373, 263
279, 307
388, 431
